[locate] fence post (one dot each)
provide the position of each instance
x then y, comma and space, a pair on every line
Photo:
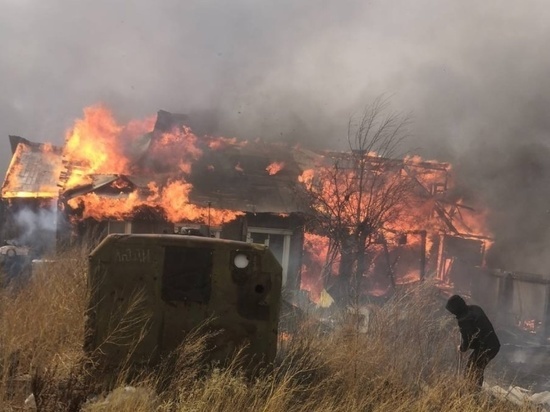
505, 295
546, 320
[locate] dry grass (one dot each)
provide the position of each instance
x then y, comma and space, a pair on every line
405, 362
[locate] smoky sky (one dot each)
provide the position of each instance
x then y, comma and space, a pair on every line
474, 76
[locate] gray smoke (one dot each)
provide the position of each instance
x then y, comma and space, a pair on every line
474, 74
36, 228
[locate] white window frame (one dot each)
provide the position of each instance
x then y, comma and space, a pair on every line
286, 243
127, 226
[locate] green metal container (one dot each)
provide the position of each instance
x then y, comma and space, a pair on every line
148, 292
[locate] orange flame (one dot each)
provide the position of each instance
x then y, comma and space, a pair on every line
221, 143
315, 259
98, 145
409, 228
275, 168
175, 150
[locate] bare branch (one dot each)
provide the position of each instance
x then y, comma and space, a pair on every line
352, 199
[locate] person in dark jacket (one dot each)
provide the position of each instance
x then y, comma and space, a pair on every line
477, 333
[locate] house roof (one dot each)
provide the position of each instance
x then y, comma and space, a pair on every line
240, 177
236, 178
33, 171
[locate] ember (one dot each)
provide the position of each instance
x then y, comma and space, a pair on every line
529, 325
275, 167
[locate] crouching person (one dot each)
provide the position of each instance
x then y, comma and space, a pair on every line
477, 333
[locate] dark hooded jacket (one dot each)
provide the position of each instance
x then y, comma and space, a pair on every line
475, 327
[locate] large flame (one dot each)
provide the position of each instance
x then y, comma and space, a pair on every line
98, 145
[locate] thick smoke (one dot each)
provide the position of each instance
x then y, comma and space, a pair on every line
473, 74
36, 228
30, 222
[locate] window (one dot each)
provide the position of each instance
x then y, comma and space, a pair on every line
186, 276
278, 241
117, 226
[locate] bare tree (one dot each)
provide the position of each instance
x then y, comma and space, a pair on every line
358, 192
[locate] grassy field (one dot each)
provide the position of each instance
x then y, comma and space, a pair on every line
406, 361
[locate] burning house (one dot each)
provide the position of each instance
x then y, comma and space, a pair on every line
157, 176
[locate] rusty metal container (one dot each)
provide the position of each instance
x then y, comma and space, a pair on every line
147, 292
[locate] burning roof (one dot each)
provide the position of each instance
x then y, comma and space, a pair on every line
33, 170
106, 171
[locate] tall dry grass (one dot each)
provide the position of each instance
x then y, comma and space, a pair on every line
41, 324
404, 362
